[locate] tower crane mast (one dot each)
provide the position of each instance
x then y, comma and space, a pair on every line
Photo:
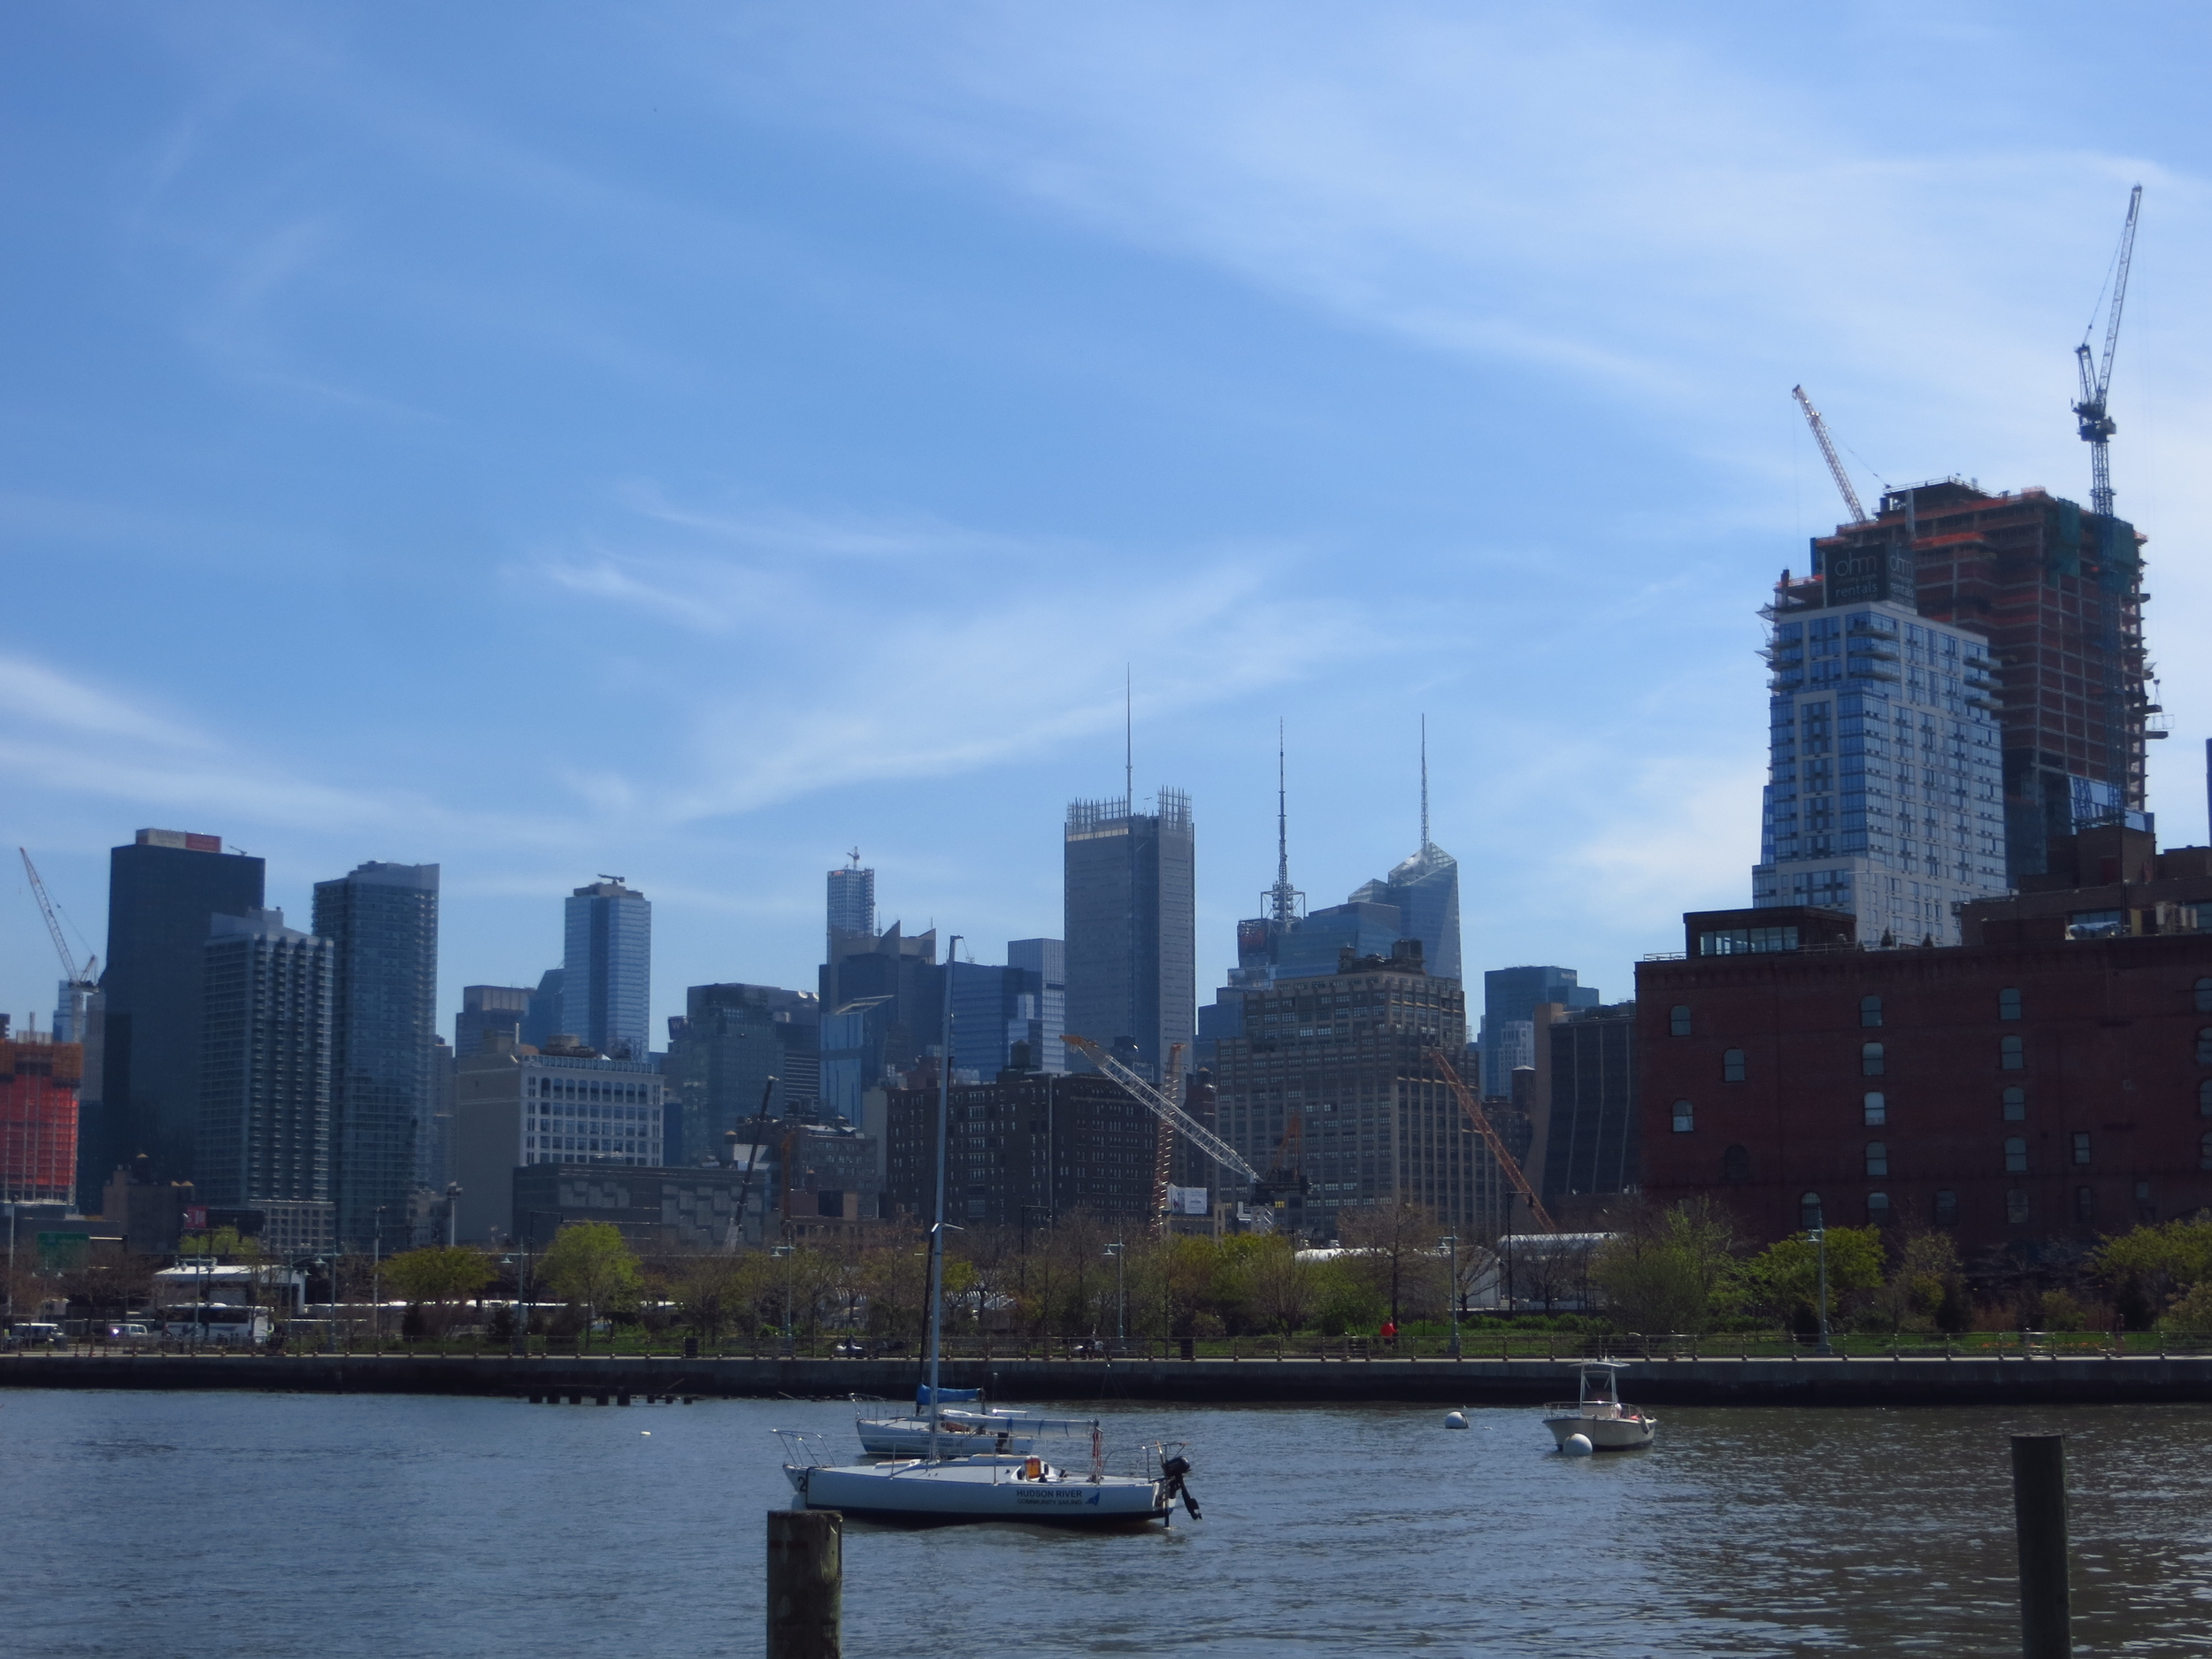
2097, 426
77, 980
1828, 450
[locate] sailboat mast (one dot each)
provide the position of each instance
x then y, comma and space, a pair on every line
937, 1228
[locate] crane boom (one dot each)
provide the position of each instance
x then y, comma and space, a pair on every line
1506, 1161
69, 969
1163, 1149
1204, 1138
2096, 425
1828, 450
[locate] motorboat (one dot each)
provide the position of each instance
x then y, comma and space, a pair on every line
1598, 1415
966, 1428
991, 1487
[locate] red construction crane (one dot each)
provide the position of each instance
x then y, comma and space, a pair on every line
1506, 1161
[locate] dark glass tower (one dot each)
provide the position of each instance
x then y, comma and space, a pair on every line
161, 891
1131, 939
382, 921
264, 1096
607, 970
490, 1008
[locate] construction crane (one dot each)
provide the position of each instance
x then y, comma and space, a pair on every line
2097, 426
1828, 450
76, 978
1204, 1138
1506, 1161
1164, 1152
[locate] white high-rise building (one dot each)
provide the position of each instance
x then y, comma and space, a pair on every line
1885, 789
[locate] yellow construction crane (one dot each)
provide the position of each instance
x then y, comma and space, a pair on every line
1506, 1161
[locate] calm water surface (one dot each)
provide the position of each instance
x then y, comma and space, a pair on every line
214, 1525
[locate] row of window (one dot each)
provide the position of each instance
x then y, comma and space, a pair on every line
2013, 1103
2012, 1056
1810, 1212
2008, 1007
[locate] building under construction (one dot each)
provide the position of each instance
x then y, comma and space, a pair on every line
2057, 591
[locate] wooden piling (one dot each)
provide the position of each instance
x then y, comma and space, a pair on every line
806, 1583
2038, 1505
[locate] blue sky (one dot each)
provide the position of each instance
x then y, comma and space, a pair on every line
687, 442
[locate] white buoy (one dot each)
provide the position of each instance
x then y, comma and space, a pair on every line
1578, 1446
1454, 1420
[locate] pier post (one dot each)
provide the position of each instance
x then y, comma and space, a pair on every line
806, 1583
2038, 1504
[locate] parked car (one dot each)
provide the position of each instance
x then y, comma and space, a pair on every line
130, 1332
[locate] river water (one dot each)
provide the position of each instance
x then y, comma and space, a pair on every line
204, 1525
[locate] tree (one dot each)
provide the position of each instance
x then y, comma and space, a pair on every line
706, 1290
590, 1264
1284, 1290
1783, 1280
1666, 1271
2149, 1267
1394, 1245
1924, 1284
438, 1273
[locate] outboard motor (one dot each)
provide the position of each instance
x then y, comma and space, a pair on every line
1175, 1469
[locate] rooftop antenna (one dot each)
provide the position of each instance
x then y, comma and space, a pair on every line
1128, 741
1282, 898
1425, 783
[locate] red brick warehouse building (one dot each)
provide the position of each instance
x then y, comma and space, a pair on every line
2049, 1079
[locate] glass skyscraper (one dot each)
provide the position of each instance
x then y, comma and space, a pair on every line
265, 1128
1426, 890
852, 902
1510, 997
1048, 959
1886, 781
606, 975
163, 889
382, 922
1131, 937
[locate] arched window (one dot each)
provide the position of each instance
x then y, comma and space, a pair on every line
2084, 1204
1877, 1107
2015, 1103
1869, 1010
2204, 996
1685, 1118
1870, 1059
1877, 1209
1947, 1208
2204, 1153
2008, 1003
1735, 1165
2016, 1208
2204, 1046
1876, 1158
1808, 1215
2015, 1156
1679, 1021
1732, 1066
2012, 1054
2204, 1098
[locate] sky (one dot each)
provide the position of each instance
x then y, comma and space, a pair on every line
691, 441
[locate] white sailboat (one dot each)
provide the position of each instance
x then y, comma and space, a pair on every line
1597, 1416
966, 1428
989, 1486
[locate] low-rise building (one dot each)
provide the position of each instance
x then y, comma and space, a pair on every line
1024, 1151
657, 1209
516, 1107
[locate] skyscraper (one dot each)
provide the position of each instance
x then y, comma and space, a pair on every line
382, 922
852, 899
268, 1040
162, 890
1131, 925
734, 1038
38, 1116
1048, 959
606, 978
541, 1012
1885, 793
993, 1010
2050, 598
1510, 997
500, 1008
1426, 890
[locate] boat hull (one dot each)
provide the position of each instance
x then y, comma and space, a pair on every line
979, 1490
1605, 1434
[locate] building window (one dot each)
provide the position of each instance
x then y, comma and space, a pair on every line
1732, 1066
1808, 1215
2008, 1003
1871, 1059
1869, 1010
2204, 1098
2204, 996
2204, 1153
2015, 1156
2015, 1104
1685, 1118
2204, 1046
1735, 1165
1947, 1208
2084, 1204
2016, 1208
2012, 1054
2081, 1146
1877, 1209
1678, 1021
1877, 1107
1876, 1158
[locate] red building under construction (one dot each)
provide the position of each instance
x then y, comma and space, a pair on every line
2049, 1079
38, 1118
2058, 591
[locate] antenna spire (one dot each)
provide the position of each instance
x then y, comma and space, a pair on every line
1282, 898
1128, 741
1425, 783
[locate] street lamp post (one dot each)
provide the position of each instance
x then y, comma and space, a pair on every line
1117, 1249
785, 1252
452, 1214
1451, 1242
376, 1281
1819, 1230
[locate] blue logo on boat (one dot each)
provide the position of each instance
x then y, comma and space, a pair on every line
1091, 1499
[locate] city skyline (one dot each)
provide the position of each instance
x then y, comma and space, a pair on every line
1034, 359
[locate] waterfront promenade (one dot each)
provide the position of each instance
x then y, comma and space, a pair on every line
1859, 1379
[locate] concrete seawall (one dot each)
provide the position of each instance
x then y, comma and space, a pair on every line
2133, 1379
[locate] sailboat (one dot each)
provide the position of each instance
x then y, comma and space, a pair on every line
964, 1424
985, 1485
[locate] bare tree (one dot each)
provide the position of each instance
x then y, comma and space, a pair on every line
1394, 1246
1283, 1288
